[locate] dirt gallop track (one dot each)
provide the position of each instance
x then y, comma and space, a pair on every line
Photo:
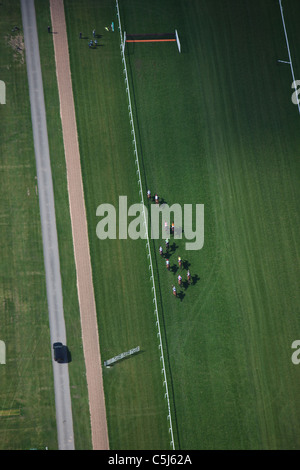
79, 229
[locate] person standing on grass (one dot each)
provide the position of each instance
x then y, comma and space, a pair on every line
80, 35
94, 33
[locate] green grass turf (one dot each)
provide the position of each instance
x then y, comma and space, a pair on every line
216, 126
78, 386
136, 407
26, 378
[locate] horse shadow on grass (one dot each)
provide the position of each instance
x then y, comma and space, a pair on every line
174, 269
186, 264
178, 231
95, 46
162, 202
173, 247
171, 250
195, 279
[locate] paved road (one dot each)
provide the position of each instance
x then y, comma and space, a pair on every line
50, 245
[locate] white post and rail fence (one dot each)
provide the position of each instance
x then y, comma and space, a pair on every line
165, 383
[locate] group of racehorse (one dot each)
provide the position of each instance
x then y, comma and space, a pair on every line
161, 252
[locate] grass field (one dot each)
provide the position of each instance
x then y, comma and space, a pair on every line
213, 130
27, 410
27, 396
215, 125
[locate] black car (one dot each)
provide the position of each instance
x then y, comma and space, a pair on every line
59, 352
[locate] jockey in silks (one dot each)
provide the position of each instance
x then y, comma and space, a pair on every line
188, 275
156, 199
168, 264
167, 244
174, 291
160, 251
172, 228
149, 194
179, 262
179, 280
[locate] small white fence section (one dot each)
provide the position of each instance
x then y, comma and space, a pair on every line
121, 356
165, 384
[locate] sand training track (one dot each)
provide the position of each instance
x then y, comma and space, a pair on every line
86, 297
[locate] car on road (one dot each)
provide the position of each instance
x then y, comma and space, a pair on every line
59, 352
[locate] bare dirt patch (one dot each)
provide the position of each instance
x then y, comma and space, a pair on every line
16, 42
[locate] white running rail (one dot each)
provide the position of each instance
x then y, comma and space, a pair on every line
165, 384
288, 48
